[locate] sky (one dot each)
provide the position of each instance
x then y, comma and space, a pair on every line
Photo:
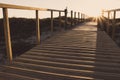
89, 7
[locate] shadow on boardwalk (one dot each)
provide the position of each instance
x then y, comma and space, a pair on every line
83, 53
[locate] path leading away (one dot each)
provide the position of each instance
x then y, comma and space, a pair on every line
83, 53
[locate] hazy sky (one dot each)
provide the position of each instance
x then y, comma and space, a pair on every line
90, 7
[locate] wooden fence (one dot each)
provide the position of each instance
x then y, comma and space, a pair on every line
5, 8
109, 24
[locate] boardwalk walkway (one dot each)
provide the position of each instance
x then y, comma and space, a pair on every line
79, 54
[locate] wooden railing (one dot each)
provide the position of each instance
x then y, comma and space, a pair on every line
108, 24
5, 8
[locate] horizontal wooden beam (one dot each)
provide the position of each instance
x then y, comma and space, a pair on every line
20, 7
10, 6
111, 10
55, 10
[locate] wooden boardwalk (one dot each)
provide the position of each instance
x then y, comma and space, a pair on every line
83, 53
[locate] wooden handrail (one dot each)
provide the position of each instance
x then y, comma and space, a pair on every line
55, 10
20, 7
10, 6
107, 25
111, 10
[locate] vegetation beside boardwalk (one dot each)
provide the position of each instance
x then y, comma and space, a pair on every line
23, 33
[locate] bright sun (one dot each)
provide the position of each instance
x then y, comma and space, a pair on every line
97, 15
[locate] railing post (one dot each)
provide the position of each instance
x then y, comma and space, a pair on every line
7, 34
37, 27
108, 14
65, 18
114, 27
108, 26
81, 17
71, 18
75, 18
78, 17
59, 18
85, 17
52, 21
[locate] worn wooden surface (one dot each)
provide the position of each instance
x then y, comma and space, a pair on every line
7, 34
79, 54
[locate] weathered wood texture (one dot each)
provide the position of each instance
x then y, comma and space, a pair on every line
37, 27
11, 6
79, 54
20, 7
7, 34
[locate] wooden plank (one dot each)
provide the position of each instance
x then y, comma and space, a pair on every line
25, 65
104, 62
7, 34
53, 75
9, 76
37, 27
75, 54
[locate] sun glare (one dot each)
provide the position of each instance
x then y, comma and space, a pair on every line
97, 15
